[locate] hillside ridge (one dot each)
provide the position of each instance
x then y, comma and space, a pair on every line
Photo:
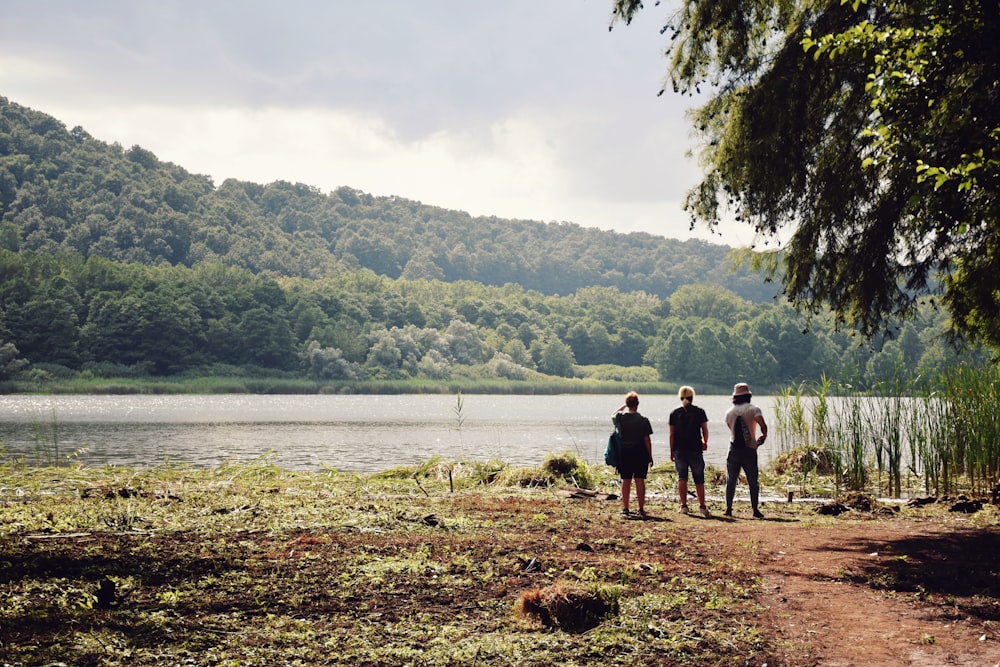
63, 190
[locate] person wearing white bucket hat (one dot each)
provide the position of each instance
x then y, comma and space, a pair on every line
743, 419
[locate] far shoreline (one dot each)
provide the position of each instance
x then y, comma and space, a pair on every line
283, 385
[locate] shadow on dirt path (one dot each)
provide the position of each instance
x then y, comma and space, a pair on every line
878, 593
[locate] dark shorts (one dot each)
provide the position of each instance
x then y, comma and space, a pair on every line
693, 461
634, 463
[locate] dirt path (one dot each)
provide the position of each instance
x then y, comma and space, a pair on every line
876, 593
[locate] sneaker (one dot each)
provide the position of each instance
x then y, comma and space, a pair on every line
728, 512
684, 509
757, 514
625, 512
642, 513
705, 512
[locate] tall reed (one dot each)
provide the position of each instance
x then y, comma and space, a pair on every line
975, 421
851, 437
792, 427
46, 436
932, 435
940, 433
821, 412
802, 422
884, 410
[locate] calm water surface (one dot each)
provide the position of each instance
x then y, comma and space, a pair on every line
349, 433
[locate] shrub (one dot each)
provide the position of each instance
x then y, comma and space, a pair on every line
570, 468
524, 477
804, 460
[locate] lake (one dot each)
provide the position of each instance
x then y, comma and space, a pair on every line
351, 433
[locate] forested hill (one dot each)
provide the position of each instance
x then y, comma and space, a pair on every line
64, 190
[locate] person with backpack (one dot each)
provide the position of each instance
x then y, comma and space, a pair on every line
743, 419
636, 455
688, 441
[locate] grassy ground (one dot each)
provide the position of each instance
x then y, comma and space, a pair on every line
253, 565
262, 384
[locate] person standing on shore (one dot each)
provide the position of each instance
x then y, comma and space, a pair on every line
688, 442
743, 419
636, 455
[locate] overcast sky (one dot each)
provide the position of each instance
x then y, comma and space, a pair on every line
525, 109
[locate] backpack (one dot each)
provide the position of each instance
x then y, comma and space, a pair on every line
613, 448
741, 434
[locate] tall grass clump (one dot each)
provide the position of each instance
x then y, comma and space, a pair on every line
940, 433
885, 416
46, 437
822, 431
931, 437
803, 430
821, 413
973, 394
952, 430
867, 434
792, 427
851, 441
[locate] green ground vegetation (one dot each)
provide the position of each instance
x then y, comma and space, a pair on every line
249, 564
445, 563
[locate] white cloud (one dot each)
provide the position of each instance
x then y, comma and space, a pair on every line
514, 169
30, 75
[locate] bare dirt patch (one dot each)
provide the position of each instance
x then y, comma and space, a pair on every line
897, 591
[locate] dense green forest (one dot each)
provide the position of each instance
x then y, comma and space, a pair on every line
113, 263
65, 191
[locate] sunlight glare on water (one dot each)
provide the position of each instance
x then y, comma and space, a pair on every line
356, 433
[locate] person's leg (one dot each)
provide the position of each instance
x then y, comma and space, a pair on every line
699, 490
753, 480
732, 477
626, 491
698, 475
640, 493
681, 464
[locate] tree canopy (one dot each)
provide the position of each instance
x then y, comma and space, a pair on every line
62, 314
870, 129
